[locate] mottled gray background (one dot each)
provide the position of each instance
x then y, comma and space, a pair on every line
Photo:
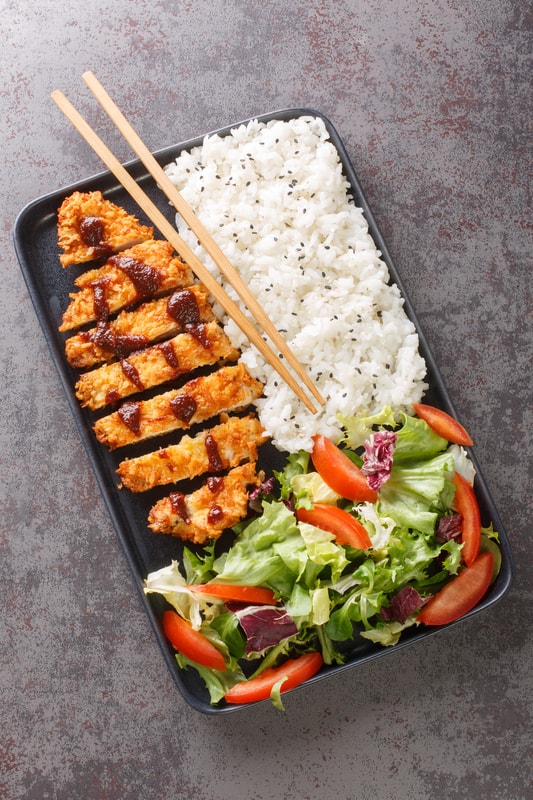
432, 99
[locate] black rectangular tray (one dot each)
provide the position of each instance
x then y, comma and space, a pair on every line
49, 285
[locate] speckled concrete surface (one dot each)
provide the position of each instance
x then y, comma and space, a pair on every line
432, 99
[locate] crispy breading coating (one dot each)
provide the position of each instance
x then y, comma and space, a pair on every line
144, 271
155, 365
228, 389
91, 227
205, 514
226, 445
131, 330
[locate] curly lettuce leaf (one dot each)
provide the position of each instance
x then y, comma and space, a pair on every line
416, 441
297, 464
322, 550
415, 492
199, 568
217, 683
310, 489
170, 583
358, 428
269, 552
409, 559
387, 634
379, 526
462, 463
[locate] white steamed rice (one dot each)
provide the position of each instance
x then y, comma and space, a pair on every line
275, 199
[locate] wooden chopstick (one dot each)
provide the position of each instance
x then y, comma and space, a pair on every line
170, 233
201, 233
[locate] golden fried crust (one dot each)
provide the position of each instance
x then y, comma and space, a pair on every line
208, 512
113, 230
154, 366
149, 322
141, 272
233, 442
227, 389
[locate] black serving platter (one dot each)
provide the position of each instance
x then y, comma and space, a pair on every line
49, 285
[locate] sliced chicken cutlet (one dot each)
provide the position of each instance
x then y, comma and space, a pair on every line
205, 514
90, 227
228, 389
131, 330
138, 273
226, 445
202, 346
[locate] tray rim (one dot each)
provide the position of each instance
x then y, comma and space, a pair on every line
105, 181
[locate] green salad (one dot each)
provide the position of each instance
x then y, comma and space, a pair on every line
363, 538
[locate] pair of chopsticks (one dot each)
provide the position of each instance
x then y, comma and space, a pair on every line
181, 247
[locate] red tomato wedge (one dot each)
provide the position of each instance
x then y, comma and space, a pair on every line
460, 595
295, 671
443, 424
339, 472
466, 504
345, 528
239, 594
191, 643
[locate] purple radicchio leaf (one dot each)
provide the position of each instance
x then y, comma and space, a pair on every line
449, 528
265, 626
377, 459
266, 487
402, 605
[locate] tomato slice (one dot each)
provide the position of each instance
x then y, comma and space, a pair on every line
240, 594
345, 528
443, 424
465, 502
191, 643
461, 594
295, 670
339, 472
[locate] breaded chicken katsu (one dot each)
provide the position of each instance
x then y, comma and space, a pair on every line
131, 330
226, 445
227, 389
140, 272
204, 515
139, 320
91, 227
155, 365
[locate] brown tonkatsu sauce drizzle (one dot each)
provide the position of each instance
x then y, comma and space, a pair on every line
199, 333
100, 304
214, 515
130, 414
183, 407
126, 344
170, 354
215, 483
179, 506
213, 455
132, 374
145, 278
92, 233
182, 306
112, 396
119, 345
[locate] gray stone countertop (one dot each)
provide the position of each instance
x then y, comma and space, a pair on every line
433, 101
